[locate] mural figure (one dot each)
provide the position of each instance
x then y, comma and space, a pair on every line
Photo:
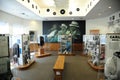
53, 35
74, 29
54, 28
63, 29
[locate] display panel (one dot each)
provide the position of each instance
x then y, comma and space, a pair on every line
4, 46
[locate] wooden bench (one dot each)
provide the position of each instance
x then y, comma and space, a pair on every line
59, 67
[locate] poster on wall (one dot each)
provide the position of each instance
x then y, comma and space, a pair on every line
112, 44
32, 35
54, 28
4, 46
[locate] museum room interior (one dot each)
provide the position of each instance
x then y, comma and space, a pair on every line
59, 40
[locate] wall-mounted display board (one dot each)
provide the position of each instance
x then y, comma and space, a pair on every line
4, 46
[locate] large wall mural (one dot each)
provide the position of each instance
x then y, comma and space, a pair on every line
51, 30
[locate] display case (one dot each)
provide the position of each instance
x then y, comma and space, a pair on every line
65, 44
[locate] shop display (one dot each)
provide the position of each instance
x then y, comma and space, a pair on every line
65, 44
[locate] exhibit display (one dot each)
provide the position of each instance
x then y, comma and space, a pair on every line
4, 46
41, 49
65, 44
5, 71
21, 50
94, 48
112, 56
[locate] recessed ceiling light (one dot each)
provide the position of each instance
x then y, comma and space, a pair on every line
78, 9
62, 11
54, 13
48, 10
70, 12
109, 7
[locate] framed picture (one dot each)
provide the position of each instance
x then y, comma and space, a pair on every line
32, 35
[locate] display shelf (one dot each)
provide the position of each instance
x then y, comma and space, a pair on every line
26, 65
37, 55
100, 67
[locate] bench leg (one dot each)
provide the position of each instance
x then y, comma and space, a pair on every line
58, 75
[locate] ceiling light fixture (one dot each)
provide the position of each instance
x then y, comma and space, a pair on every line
48, 10
70, 12
54, 13
78, 9
62, 11
109, 7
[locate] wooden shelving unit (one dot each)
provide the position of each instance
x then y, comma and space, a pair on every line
26, 65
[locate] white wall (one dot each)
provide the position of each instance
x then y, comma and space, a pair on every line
16, 25
102, 24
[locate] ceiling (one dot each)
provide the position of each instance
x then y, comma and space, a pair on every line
88, 9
